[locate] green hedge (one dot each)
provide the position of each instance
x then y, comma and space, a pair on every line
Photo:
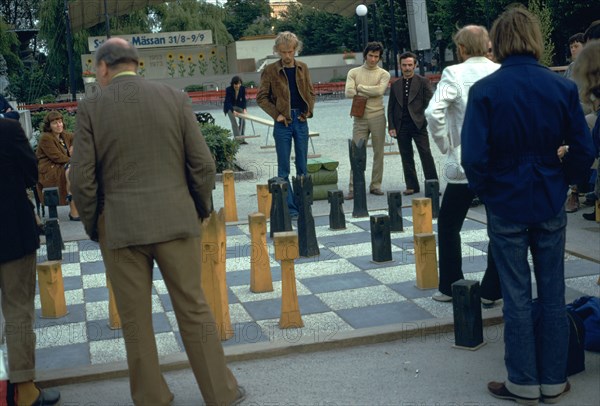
222, 146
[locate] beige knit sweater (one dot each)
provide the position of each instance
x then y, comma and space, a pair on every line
370, 82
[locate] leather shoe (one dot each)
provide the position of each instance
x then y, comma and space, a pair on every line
377, 192
47, 397
240, 397
349, 196
572, 204
74, 218
590, 216
556, 398
409, 192
440, 297
498, 390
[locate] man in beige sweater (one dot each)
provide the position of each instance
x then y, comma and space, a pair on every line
371, 81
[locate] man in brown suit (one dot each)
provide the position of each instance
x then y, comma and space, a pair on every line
142, 177
408, 100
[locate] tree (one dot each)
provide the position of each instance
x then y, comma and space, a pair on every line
241, 14
20, 14
543, 14
321, 32
189, 15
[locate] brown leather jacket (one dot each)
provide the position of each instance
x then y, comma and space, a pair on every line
274, 92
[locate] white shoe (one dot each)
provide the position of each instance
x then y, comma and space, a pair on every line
440, 297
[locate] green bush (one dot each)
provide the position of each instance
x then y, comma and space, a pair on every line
37, 123
249, 84
337, 79
221, 145
193, 88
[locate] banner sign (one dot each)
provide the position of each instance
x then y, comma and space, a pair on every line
159, 39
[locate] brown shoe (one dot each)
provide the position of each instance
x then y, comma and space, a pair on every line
498, 390
556, 398
409, 192
377, 192
349, 196
572, 204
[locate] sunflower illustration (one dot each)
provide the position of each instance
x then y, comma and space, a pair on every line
170, 56
200, 56
142, 68
181, 57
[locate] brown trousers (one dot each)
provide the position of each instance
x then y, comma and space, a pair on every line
375, 127
130, 272
17, 282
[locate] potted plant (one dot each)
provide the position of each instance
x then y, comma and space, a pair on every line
349, 57
88, 76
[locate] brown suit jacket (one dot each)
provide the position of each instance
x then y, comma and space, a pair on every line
139, 158
419, 94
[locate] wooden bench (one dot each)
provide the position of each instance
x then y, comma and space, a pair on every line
270, 124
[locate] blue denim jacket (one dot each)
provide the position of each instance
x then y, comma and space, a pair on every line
516, 119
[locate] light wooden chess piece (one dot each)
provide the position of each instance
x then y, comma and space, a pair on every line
260, 266
286, 251
264, 200
230, 204
214, 282
52, 289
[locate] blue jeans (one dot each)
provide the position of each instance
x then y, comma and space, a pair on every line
532, 367
284, 134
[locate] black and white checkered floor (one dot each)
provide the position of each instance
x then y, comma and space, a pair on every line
340, 290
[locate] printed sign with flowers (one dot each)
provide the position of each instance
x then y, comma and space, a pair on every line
142, 68
202, 64
171, 64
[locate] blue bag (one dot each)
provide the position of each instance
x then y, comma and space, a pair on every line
588, 309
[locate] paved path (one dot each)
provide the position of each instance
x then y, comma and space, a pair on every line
92, 351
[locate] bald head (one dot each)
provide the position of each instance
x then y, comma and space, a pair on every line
472, 40
115, 52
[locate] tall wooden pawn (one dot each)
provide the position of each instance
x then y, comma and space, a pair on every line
286, 251
230, 204
260, 266
52, 289
466, 306
394, 198
337, 219
114, 320
214, 282
264, 200
426, 261
432, 191
421, 213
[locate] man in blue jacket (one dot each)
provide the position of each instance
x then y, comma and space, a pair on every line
516, 119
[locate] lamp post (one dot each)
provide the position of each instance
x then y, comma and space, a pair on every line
438, 36
361, 11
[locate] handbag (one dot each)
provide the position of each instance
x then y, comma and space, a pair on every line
588, 309
358, 106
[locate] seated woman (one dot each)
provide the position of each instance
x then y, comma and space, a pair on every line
235, 102
54, 155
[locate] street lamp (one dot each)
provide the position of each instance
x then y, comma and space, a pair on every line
438, 36
361, 11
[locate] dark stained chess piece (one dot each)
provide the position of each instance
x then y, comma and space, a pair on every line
432, 191
358, 163
51, 200
54, 242
381, 243
466, 304
280, 213
337, 219
394, 198
303, 197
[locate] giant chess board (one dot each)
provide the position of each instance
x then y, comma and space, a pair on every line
340, 290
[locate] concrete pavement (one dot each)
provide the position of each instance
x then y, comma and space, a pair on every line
353, 370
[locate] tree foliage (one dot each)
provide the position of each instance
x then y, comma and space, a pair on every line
189, 15
320, 32
20, 14
543, 14
242, 14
